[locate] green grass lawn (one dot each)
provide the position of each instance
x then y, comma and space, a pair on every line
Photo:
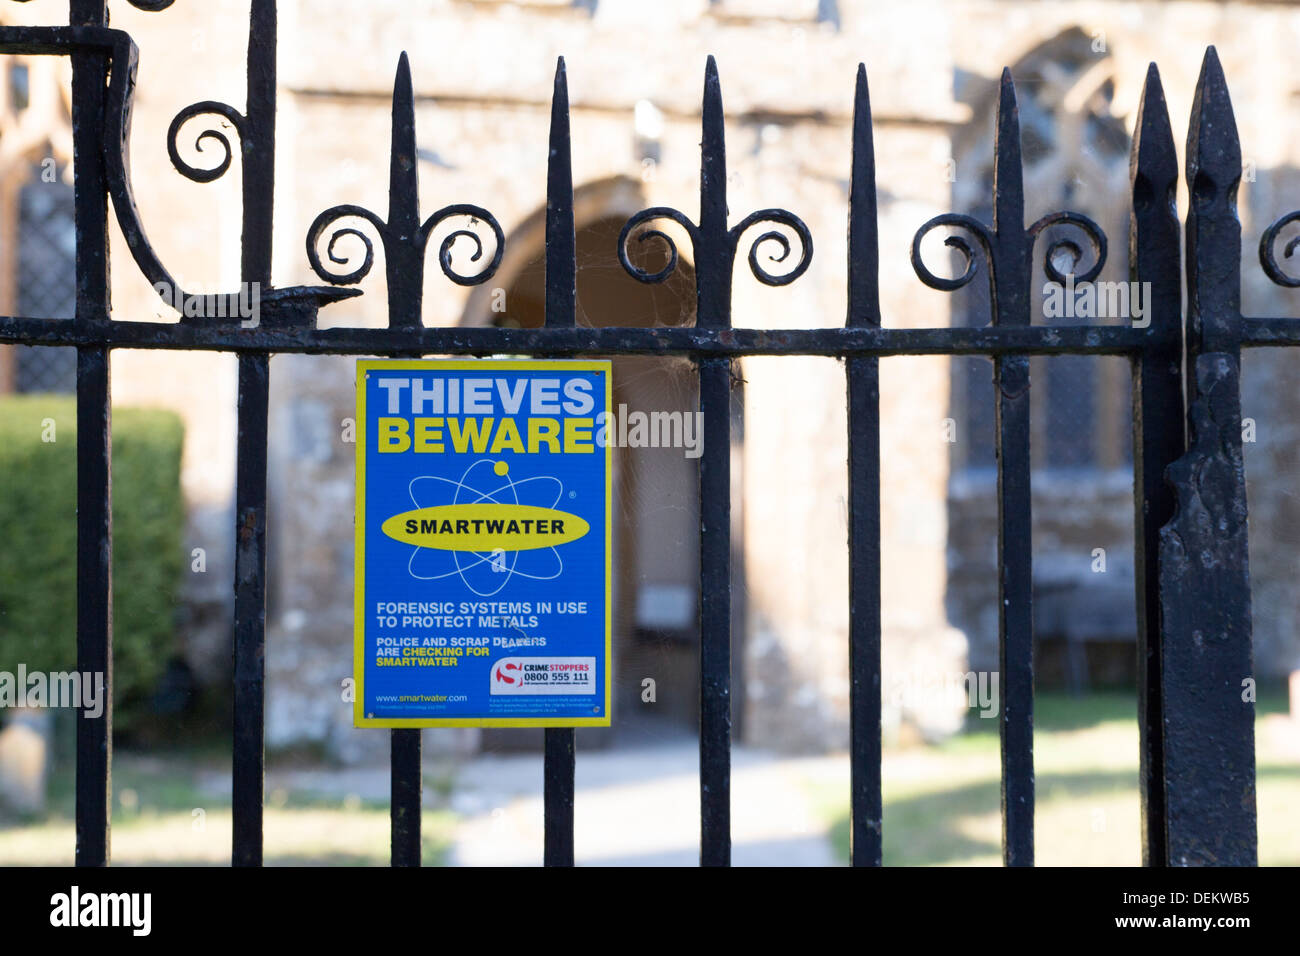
942, 803
163, 815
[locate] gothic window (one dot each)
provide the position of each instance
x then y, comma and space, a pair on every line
1075, 150
37, 230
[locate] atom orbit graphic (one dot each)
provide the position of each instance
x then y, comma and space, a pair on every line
496, 567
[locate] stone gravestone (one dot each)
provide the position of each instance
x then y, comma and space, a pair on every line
24, 760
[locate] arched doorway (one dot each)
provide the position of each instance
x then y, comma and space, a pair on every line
656, 525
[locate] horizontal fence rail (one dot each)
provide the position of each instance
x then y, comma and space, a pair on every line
1197, 762
1036, 340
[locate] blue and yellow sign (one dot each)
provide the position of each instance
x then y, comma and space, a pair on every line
482, 544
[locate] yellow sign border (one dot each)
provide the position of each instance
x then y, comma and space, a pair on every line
359, 719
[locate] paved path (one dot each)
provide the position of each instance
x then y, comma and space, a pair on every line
636, 804
640, 807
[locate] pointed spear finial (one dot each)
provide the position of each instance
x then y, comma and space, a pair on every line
403, 179
1008, 176
1153, 163
713, 158
1213, 247
561, 239
403, 243
1213, 147
864, 243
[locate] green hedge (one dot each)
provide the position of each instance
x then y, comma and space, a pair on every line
38, 542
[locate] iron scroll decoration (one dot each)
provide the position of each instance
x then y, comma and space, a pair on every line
1006, 244
389, 237
1268, 251
774, 216
206, 108
297, 305
985, 241
403, 235
149, 6
713, 244
404, 242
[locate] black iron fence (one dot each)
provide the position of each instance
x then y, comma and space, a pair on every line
1194, 628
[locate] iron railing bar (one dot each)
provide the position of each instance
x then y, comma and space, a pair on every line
1270, 330
405, 269
715, 613
94, 445
94, 602
715, 252
1012, 261
407, 784
259, 145
250, 611
558, 769
258, 142
83, 37
1158, 427
863, 381
1015, 617
1207, 654
558, 759
675, 340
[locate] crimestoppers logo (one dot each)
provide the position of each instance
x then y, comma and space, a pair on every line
510, 673
492, 528
543, 675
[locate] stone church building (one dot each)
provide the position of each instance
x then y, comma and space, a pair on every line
483, 72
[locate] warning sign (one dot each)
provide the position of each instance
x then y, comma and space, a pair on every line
482, 544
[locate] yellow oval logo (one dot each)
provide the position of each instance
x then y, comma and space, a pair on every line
485, 527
